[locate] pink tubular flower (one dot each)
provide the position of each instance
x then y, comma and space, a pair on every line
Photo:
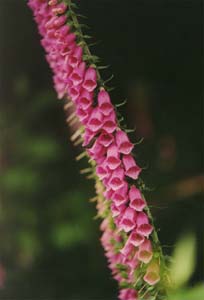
74, 92
90, 79
152, 274
96, 151
96, 120
123, 143
145, 252
78, 74
136, 200
126, 227
102, 171
143, 226
104, 103
61, 32
87, 136
120, 196
59, 21
117, 210
52, 2
82, 114
117, 179
109, 124
128, 294
75, 56
105, 139
59, 9
127, 249
128, 221
131, 169
136, 239
113, 161
85, 100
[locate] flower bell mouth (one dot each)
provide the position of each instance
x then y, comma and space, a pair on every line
123, 143
90, 80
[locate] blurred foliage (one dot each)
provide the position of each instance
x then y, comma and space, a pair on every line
196, 293
183, 260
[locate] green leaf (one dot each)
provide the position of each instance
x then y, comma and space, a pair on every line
196, 293
183, 260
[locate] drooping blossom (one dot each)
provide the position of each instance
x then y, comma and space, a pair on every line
107, 145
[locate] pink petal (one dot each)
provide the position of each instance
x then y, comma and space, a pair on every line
127, 249
105, 139
136, 239
96, 120
142, 218
62, 31
113, 160
117, 210
104, 102
120, 196
87, 137
78, 73
145, 252
85, 100
132, 170
128, 294
123, 143
136, 200
83, 115
151, 278
90, 80
75, 57
109, 124
59, 9
108, 193
117, 179
101, 172
96, 151
74, 92
145, 229
152, 273
128, 221
145, 256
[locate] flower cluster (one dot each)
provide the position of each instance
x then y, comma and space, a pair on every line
127, 243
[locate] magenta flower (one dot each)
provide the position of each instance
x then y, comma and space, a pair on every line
96, 120
117, 179
135, 239
136, 200
90, 79
77, 75
104, 103
109, 124
126, 227
143, 226
123, 143
128, 294
113, 161
131, 169
128, 221
85, 100
105, 139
